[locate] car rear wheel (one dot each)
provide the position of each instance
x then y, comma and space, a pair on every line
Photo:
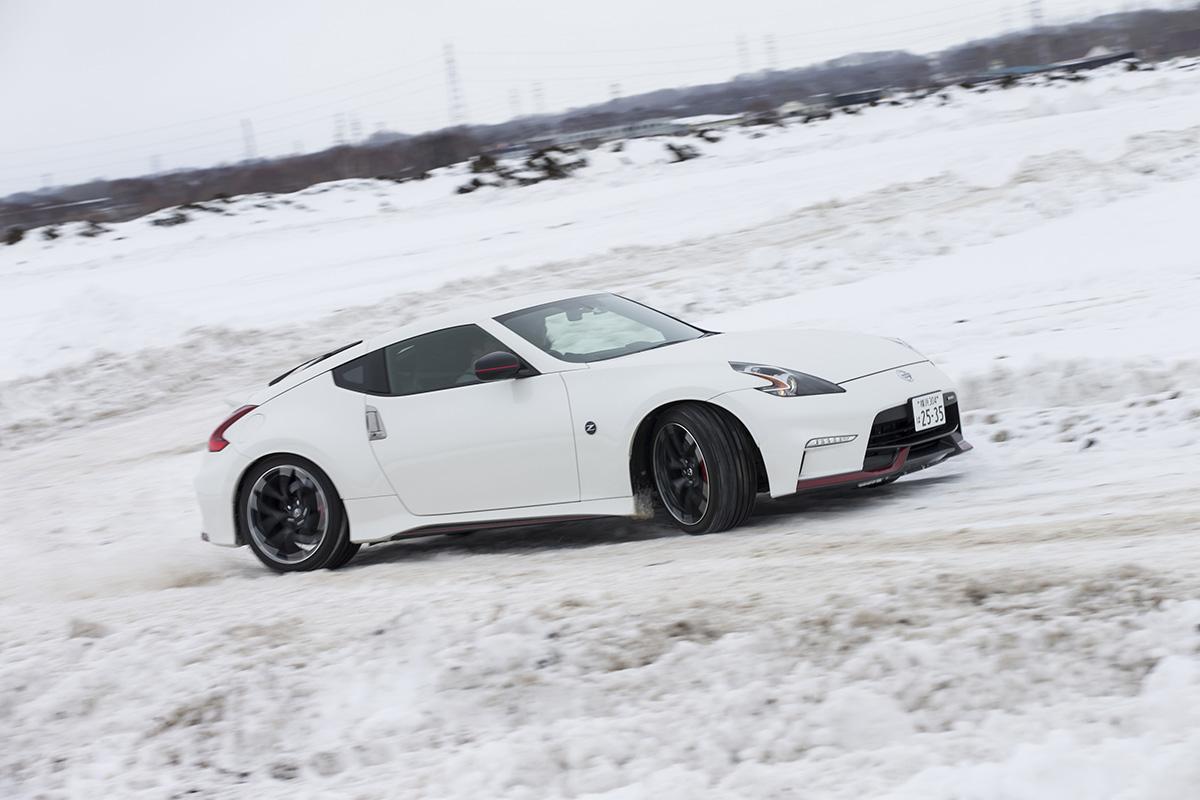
291, 516
703, 469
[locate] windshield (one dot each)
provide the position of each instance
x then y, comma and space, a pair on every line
595, 327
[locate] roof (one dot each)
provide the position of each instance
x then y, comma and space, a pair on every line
463, 316
473, 313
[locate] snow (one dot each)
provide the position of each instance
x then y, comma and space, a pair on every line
1018, 624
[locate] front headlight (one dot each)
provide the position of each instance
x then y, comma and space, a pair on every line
786, 382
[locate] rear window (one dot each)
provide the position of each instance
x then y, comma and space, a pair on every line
365, 374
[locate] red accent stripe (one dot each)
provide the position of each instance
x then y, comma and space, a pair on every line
856, 477
494, 369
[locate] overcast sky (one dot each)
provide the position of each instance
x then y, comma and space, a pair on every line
109, 88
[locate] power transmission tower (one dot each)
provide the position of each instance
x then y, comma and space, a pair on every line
454, 95
1037, 20
614, 91
539, 97
355, 129
772, 47
743, 50
339, 129
248, 139
514, 102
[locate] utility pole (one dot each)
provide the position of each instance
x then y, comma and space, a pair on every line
1037, 19
614, 91
770, 44
248, 139
339, 129
454, 95
539, 97
514, 102
743, 50
355, 129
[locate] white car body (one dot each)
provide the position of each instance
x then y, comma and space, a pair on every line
520, 449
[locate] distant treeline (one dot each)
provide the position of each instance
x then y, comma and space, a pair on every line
1153, 34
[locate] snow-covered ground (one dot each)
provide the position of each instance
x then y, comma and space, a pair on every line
1018, 624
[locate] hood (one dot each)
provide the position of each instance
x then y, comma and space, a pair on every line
832, 355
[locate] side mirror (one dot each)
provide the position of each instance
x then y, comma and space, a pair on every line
497, 366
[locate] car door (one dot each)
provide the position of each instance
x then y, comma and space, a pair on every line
450, 443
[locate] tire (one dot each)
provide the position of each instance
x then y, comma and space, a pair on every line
703, 468
349, 550
290, 514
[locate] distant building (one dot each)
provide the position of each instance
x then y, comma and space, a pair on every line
709, 122
633, 130
861, 98
1097, 58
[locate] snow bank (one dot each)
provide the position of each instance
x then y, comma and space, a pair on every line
267, 261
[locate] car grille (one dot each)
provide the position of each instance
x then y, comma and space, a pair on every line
893, 429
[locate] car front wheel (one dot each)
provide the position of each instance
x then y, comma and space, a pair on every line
703, 469
291, 516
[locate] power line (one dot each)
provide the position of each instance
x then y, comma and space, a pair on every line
208, 134
223, 115
796, 48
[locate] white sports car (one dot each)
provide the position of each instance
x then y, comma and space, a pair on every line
557, 407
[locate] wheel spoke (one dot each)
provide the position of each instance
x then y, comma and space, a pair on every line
274, 530
286, 514
307, 537
673, 444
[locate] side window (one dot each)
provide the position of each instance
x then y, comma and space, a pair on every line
439, 360
364, 374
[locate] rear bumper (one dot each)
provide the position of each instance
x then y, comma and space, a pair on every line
907, 459
216, 483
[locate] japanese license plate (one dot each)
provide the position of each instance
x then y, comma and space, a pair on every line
929, 411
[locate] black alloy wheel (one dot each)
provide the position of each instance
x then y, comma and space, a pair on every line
680, 473
292, 518
703, 467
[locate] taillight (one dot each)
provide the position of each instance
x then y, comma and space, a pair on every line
217, 442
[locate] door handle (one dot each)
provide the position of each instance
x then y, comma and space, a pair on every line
375, 429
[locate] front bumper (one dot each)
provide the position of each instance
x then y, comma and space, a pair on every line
907, 459
782, 427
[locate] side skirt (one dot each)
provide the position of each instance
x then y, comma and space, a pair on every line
401, 525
